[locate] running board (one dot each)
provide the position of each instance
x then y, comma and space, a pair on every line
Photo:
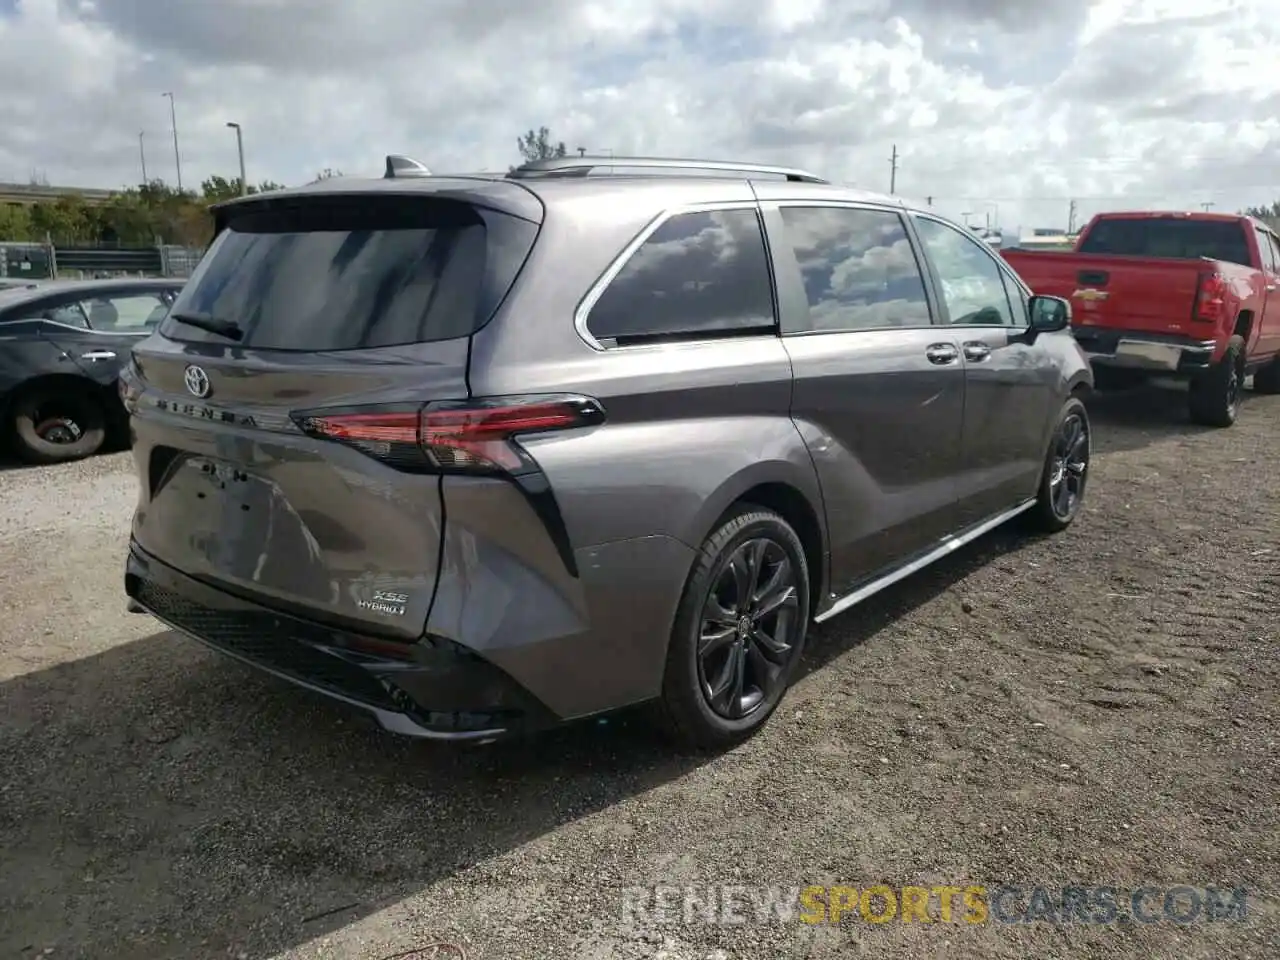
949, 545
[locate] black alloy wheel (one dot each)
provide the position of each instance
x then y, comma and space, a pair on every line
739, 631
1066, 469
747, 634
1070, 467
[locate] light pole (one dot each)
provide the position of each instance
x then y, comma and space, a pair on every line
244, 184
177, 157
142, 155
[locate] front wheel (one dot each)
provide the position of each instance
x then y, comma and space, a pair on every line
739, 631
1066, 469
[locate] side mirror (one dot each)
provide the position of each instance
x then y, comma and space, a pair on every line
1049, 314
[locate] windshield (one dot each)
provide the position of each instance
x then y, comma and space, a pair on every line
352, 273
1171, 237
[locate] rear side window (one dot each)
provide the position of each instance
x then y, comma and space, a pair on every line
1172, 237
859, 270
350, 273
699, 275
1266, 250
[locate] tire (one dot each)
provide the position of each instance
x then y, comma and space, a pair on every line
1066, 469
686, 709
1267, 380
1214, 399
58, 424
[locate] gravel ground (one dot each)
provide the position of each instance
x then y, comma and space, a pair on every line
1095, 708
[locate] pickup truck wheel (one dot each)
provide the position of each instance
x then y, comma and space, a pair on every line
1267, 380
1066, 469
1214, 400
57, 424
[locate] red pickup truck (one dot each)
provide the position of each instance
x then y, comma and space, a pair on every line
1192, 296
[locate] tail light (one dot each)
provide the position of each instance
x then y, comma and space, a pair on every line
454, 436
1210, 298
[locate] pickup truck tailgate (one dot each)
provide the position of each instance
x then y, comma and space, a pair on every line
1145, 294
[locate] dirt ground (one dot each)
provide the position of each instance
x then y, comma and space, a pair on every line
1095, 708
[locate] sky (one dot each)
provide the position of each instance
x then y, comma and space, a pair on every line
995, 112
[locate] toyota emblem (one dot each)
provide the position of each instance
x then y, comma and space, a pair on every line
197, 381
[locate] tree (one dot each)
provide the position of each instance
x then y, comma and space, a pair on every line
1263, 213
328, 173
15, 223
537, 145
67, 220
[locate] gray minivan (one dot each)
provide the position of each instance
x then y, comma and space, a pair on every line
482, 453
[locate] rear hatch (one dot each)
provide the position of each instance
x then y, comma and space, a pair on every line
276, 410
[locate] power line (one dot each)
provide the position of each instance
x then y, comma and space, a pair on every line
1271, 189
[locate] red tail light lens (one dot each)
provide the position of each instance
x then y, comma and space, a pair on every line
1211, 298
468, 436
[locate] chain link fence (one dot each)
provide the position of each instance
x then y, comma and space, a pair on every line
45, 261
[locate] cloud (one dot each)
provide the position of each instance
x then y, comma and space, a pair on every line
996, 109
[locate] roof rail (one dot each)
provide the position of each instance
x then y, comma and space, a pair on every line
583, 167
399, 165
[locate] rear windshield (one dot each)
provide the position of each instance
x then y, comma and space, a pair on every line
1172, 237
354, 272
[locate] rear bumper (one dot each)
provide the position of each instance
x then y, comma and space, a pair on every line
1154, 353
432, 689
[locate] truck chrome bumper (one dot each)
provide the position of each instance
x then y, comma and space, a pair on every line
1132, 354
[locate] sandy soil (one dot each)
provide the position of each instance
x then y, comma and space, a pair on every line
1095, 708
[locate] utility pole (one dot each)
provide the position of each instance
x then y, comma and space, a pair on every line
893, 170
142, 155
928, 201
582, 151
244, 184
1071, 218
177, 157
1206, 205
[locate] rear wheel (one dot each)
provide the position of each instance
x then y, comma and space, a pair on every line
1066, 469
1267, 380
739, 631
1214, 399
57, 424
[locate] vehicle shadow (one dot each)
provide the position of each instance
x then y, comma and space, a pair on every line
829, 640
162, 801
166, 802
1136, 418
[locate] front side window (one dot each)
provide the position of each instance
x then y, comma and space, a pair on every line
859, 270
700, 274
973, 285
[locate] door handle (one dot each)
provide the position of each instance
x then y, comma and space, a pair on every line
98, 355
976, 351
941, 353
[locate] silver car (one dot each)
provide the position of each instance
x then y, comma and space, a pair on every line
482, 453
